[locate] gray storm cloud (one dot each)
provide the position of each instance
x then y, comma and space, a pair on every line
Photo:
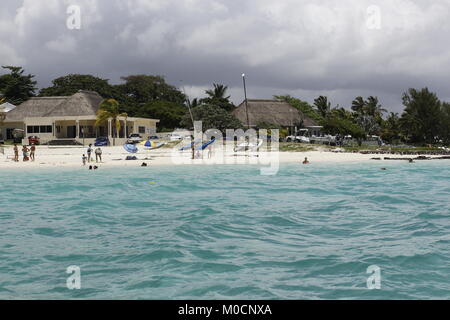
304, 48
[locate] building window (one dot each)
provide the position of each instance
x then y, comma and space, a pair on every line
45, 129
141, 129
39, 129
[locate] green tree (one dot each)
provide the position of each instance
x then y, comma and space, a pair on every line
374, 109
421, 117
16, 87
195, 102
445, 123
368, 114
72, 83
109, 109
334, 124
146, 88
213, 117
322, 105
358, 105
169, 113
218, 97
218, 92
391, 130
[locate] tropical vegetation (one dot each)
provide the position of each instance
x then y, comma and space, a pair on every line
425, 119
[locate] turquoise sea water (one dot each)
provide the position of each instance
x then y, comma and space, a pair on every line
226, 232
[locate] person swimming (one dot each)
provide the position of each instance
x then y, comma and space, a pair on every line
306, 161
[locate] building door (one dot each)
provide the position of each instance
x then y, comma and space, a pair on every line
71, 132
9, 134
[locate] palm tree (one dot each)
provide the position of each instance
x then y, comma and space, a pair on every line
195, 103
109, 109
218, 92
358, 105
373, 108
322, 105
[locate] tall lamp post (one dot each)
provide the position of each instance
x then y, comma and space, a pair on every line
246, 104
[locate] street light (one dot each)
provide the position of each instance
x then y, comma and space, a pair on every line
246, 104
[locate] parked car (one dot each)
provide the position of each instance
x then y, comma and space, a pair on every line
101, 142
153, 138
33, 140
134, 138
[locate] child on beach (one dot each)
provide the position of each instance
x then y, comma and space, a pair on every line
25, 151
32, 152
306, 161
16, 153
84, 158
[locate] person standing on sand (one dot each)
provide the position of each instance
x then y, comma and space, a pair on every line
32, 152
16, 153
193, 147
98, 155
25, 151
84, 158
89, 151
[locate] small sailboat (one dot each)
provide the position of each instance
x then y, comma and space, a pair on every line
189, 146
206, 145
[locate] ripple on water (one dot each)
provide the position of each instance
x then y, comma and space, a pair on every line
225, 232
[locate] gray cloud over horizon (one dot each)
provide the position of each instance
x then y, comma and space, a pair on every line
300, 47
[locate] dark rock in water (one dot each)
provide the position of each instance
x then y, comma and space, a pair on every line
388, 158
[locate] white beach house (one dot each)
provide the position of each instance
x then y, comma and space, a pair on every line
70, 118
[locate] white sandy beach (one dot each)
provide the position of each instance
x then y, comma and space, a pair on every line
115, 156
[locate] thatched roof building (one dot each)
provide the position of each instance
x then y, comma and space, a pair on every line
275, 112
82, 103
72, 117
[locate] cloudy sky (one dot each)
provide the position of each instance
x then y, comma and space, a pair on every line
306, 48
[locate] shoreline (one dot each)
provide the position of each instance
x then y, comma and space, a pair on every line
70, 157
